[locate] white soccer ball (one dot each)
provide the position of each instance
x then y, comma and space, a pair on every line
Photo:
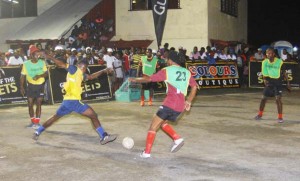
128, 143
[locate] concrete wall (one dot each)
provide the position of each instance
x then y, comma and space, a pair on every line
185, 27
10, 26
225, 27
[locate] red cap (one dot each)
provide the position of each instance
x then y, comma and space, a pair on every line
33, 49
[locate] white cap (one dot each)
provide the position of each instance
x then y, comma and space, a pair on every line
58, 48
73, 49
109, 50
154, 51
88, 48
213, 48
11, 51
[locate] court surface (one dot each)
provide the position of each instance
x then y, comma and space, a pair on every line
222, 142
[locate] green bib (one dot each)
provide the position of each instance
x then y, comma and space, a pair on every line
178, 77
149, 67
34, 69
271, 69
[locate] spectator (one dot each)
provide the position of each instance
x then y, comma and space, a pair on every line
285, 56
259, 56
195, 55
73, 59
15, 59
118, 68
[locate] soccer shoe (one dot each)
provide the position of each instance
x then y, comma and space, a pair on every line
177, 145
108, 138
150, 103
36, 126
142, 103
30, 125
35, 136
258, 117
280, 120
145, 155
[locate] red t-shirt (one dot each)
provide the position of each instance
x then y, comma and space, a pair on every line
173, 100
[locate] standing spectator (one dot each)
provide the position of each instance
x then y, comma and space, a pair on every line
119, 71
109, 59
73, 59
136, 57
273, 74
126, 64
34, 71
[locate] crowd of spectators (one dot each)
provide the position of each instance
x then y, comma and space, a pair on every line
125, 61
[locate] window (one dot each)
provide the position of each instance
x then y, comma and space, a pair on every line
229, 7
137, 5
18, 8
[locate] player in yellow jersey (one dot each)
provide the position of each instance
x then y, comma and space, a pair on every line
71, 102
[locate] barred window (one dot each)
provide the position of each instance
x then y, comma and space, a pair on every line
230, 7
137, 5
18, 8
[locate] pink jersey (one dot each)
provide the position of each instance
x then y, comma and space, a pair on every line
174, 100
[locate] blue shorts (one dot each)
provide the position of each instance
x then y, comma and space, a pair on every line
69, 106
166, 113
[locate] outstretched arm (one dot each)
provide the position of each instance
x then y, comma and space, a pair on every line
140, 79
58, 62
97, 74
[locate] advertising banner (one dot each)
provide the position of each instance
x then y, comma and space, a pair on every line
94, 89
10, 85
220, 75
159, 11
256, 79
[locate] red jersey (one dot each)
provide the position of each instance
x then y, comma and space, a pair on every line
173, 100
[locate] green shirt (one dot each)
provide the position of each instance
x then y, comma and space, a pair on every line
271, 69
31, 70
149, 67
178, 77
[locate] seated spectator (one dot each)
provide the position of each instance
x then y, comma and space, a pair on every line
195, 55
259, 55
15, 59
222, 55
231, 55
285, 56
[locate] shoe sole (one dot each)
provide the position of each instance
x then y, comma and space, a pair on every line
178, 147
35, 137
110, 139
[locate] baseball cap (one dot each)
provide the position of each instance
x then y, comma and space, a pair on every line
109, 50
58, 48
259, 49
73, 49
33, 49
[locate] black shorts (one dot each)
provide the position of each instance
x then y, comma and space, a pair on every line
149, 85
35, 91
166, 113
272, 90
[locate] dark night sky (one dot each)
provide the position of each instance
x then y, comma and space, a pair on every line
273, 20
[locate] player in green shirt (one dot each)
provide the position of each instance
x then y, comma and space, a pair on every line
273, 73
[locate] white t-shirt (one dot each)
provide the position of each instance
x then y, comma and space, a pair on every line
15, 61
118, 68
109, 60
